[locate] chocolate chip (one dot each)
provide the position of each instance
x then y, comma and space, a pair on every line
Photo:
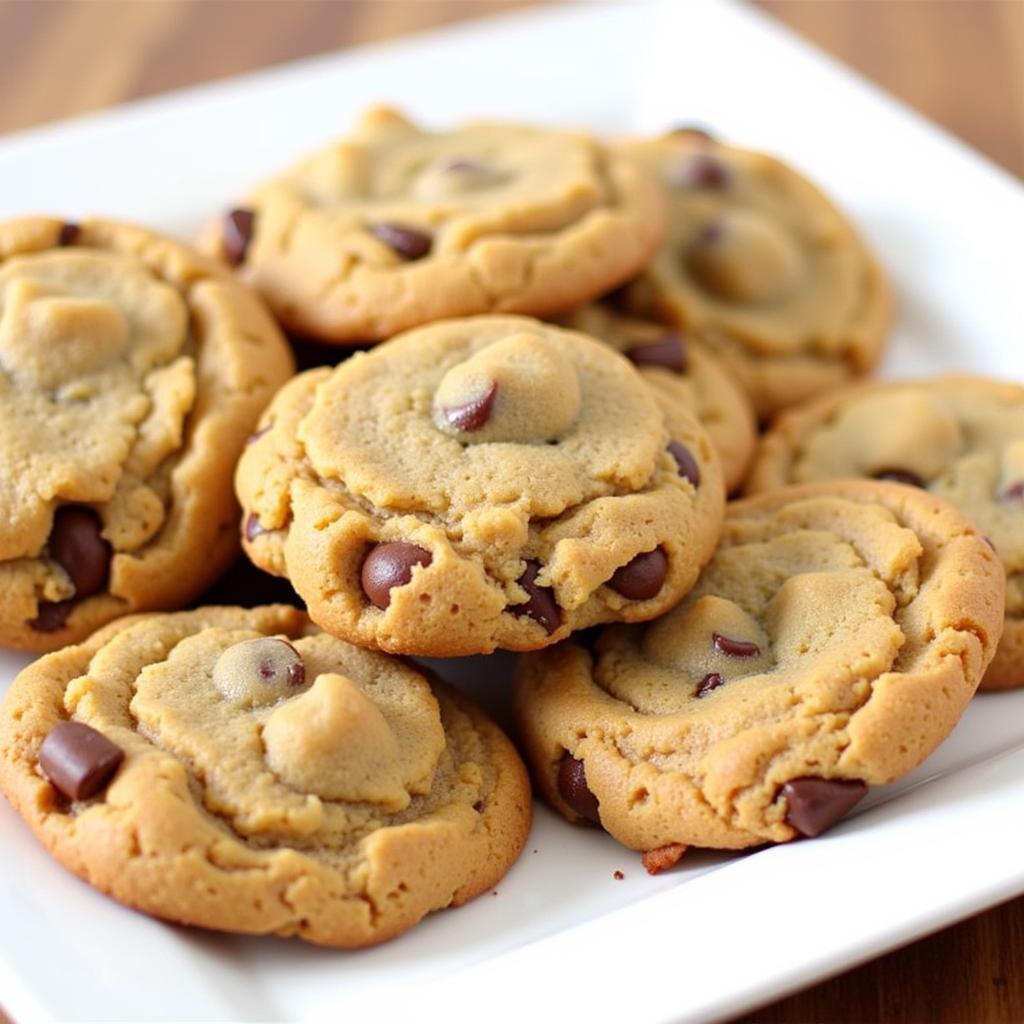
76, 545
253, 526
69, 233
257, 434
641, 579
734, 648
710, 682
573, 788
813, 804
541, 606
688, 468
388, 566
1013, 493
475, 413
52, 616
669, 353
78, 760
700, 170
408, 243
900, 476
237, 234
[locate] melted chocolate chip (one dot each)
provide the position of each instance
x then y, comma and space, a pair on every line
408, 243
900, 476
701, 170
69, 233
78, 760
541, 606
688, 468
388, 566
669, 353
475, 413
813, 804
1015, 492
642, 578
734, 648
237, 234
573, 788
253, 526
52, 616
710, 682
77, 546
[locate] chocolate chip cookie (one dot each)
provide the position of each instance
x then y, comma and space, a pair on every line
131, 372
958, 436
831, 644
761, 267
240, 770
394, 226
684, 374
477, 483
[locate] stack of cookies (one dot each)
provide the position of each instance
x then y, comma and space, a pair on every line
571, 345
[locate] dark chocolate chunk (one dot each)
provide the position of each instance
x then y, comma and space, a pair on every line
77, 546
237, 234
78, 760
688, 468
573, 789
52, 616
813, 804
541, 606
408, 243
710, 682
669, 353
475, 413
700, 170
253, 526
734, 648
641, 579
388, 566
69, 233
900, 476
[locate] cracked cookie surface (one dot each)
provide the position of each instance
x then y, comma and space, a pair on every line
393, 227
131, 372
831, 644
683, 374
479, 483
960, 437
239, 770
761, 267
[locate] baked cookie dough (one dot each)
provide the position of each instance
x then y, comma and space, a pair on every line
684, 374
958, 436
762, 268
131, 372
395, 226
830, 645
479, 483
242, 771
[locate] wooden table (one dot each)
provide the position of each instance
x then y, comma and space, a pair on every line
962, 64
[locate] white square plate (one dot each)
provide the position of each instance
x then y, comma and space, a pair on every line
719, 933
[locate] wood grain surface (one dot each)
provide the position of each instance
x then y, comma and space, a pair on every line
961, 64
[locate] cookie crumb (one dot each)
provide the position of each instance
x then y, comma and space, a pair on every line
618, 876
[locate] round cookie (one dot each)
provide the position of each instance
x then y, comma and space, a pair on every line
831, 644
479, 483
242, 771
961, 437
683, 374
131, 372
761, 267
394, 227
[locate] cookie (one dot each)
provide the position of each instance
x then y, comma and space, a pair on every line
241, 771
131, 372
394, 227
479, 483
830, 645
761, 267
958, 436
684, 374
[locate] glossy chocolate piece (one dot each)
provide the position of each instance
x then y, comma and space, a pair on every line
78, 760
388, 566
